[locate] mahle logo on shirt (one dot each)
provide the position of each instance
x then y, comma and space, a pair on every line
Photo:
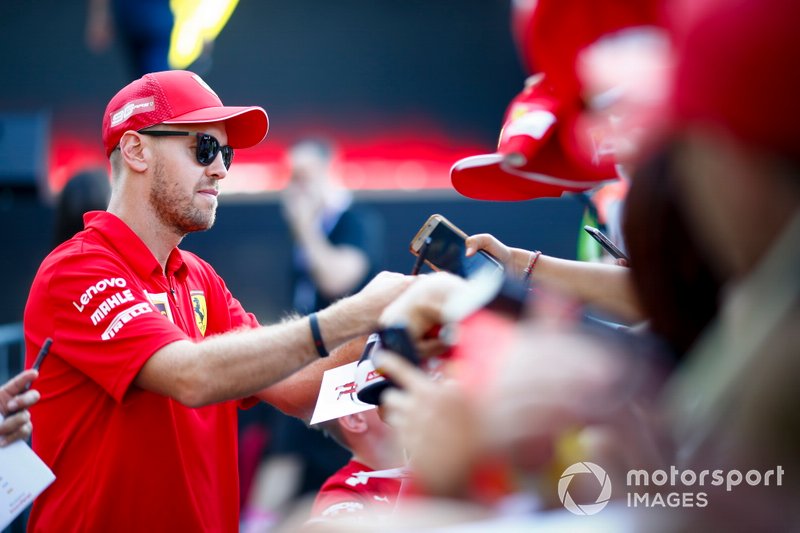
200, 310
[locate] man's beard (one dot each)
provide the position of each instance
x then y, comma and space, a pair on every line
175, 209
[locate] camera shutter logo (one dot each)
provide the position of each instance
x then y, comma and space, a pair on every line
588, 508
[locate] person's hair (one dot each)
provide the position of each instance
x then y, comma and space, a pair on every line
676, 287
333, 430
116, 164
323, 148
87, 191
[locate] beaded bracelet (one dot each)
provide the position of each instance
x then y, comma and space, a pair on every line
531, 264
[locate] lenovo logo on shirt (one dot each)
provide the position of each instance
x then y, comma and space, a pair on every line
97, 288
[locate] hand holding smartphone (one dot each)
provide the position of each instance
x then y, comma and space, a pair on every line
441, 243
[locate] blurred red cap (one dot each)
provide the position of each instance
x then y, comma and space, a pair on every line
178, 97
541, 151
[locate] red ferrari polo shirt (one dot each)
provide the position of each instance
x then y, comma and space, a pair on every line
126, 459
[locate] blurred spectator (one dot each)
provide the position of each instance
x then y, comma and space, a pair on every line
737, 123
370, 482
676, 287
338, 248
87, 191
733, 404
338, 245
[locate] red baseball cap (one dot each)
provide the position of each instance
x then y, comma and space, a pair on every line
179, 97
543, 151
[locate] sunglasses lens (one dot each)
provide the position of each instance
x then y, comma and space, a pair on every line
207, 149
227, 156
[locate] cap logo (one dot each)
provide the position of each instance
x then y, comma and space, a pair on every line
203, 84
534, 123
134, 107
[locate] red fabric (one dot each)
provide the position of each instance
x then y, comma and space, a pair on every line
178, 97
556, 31
346, 494
738, 70
126, 459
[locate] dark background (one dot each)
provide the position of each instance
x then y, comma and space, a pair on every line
351, 64
356, 67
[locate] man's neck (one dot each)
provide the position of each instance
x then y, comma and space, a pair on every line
159, 239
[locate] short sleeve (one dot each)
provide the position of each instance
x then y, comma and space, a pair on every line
104, 325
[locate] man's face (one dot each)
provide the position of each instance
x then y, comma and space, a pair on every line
183, 193
309, 170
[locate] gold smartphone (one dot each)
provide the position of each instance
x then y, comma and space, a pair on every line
445, 248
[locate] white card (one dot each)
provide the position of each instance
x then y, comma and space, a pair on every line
337, 395
23, 476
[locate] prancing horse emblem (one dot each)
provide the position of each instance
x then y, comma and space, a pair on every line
200, 310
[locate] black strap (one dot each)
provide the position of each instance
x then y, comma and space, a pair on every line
313, 321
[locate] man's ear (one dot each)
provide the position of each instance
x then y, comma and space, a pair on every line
132, 150
355, 423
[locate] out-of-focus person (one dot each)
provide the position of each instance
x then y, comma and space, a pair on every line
87, 191
338, 247
736, 124
369, 483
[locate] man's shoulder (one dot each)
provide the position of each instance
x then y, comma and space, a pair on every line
78, 253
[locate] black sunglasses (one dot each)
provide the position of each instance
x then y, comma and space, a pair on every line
207, 146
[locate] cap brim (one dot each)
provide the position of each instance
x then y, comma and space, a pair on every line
245, 126
488, 177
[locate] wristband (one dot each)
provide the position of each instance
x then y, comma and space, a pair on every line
313, 321
531, 264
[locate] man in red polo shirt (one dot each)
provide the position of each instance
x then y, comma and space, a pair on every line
139, 393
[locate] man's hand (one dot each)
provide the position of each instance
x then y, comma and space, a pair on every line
14, 403
419, 309
385, 288
301, 209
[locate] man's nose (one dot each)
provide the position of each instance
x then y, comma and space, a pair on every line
216, 170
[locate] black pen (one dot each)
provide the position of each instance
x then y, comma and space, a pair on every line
40, 357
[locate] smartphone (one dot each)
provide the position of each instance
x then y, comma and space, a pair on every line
445, 248
605, 242
397, 340
370, 383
